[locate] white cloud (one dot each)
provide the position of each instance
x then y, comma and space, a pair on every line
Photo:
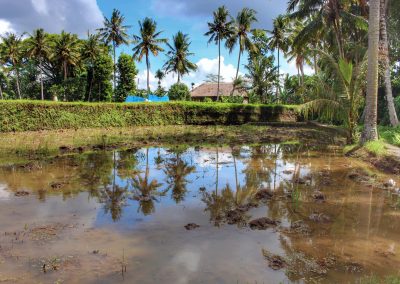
205, 66
76, 16
291, 69
5, 27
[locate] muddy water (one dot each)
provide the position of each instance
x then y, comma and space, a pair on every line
113, 217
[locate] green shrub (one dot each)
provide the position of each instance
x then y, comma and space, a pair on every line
37, 115
179, 92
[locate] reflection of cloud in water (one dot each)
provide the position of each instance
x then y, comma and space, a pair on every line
209, 159
188, 261
4, 194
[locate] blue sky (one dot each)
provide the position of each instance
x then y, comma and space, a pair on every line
189, 16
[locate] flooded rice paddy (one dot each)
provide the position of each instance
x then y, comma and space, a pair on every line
268, 213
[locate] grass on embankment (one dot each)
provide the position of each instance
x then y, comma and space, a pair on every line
38, 115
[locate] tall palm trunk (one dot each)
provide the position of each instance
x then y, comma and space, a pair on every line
148, 73
1, 93
91, 85
386, 63
238, 64
41, 81
219, 66
278, 82
114, 64
179, 77
370, 131
18, 86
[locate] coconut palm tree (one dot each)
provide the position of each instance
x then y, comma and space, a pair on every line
178, 54
91, 51
147, 42
218, 30
115, 32
242, 34
38, 48
279, 41
67, 51
386, 63
11, 52
159, 75
370, 132
341, 98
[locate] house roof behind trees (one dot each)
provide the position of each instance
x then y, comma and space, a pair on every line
210, 90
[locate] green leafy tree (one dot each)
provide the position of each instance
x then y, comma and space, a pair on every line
147, 42
11, 52
263, 75
220, 29
341, 96
115, 32
67, 52
38, 49
178, 54
127, 72
91, 51
103, 76
160, 75
179, 92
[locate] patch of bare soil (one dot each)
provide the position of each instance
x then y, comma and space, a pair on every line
389, 163
263, 223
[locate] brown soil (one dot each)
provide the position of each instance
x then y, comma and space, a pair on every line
389, 163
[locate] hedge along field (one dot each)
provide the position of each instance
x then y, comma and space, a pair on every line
38, 115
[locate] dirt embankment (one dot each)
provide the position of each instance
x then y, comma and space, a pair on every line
388, 162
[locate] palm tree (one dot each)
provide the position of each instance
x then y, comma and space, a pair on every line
11, 52
91, 51
147, 42
178, 54
386, 63
218, 30
67, 51
115, 32
159, 75
39, 50
263, 75
278, 41
241, 35
370, 132
341, 98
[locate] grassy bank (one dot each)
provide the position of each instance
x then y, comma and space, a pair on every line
37, 115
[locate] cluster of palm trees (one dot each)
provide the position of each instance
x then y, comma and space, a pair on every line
341, 39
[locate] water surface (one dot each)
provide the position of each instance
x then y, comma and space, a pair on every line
119, 216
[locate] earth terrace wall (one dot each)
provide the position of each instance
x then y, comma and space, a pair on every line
38, 115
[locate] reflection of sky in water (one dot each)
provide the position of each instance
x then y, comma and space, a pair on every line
262, 170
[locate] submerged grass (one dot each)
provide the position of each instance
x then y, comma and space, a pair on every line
377, 280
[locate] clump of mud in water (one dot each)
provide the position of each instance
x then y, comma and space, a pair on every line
361, 175
318, 196
263, 223
191, 226
300, 227
21, 193
263, 195
319, 218
276, 262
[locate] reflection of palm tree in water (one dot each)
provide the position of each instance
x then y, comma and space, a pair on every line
177, 170
114, 198
219, 205
146, 191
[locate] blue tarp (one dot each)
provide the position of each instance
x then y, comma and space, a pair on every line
151, 98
